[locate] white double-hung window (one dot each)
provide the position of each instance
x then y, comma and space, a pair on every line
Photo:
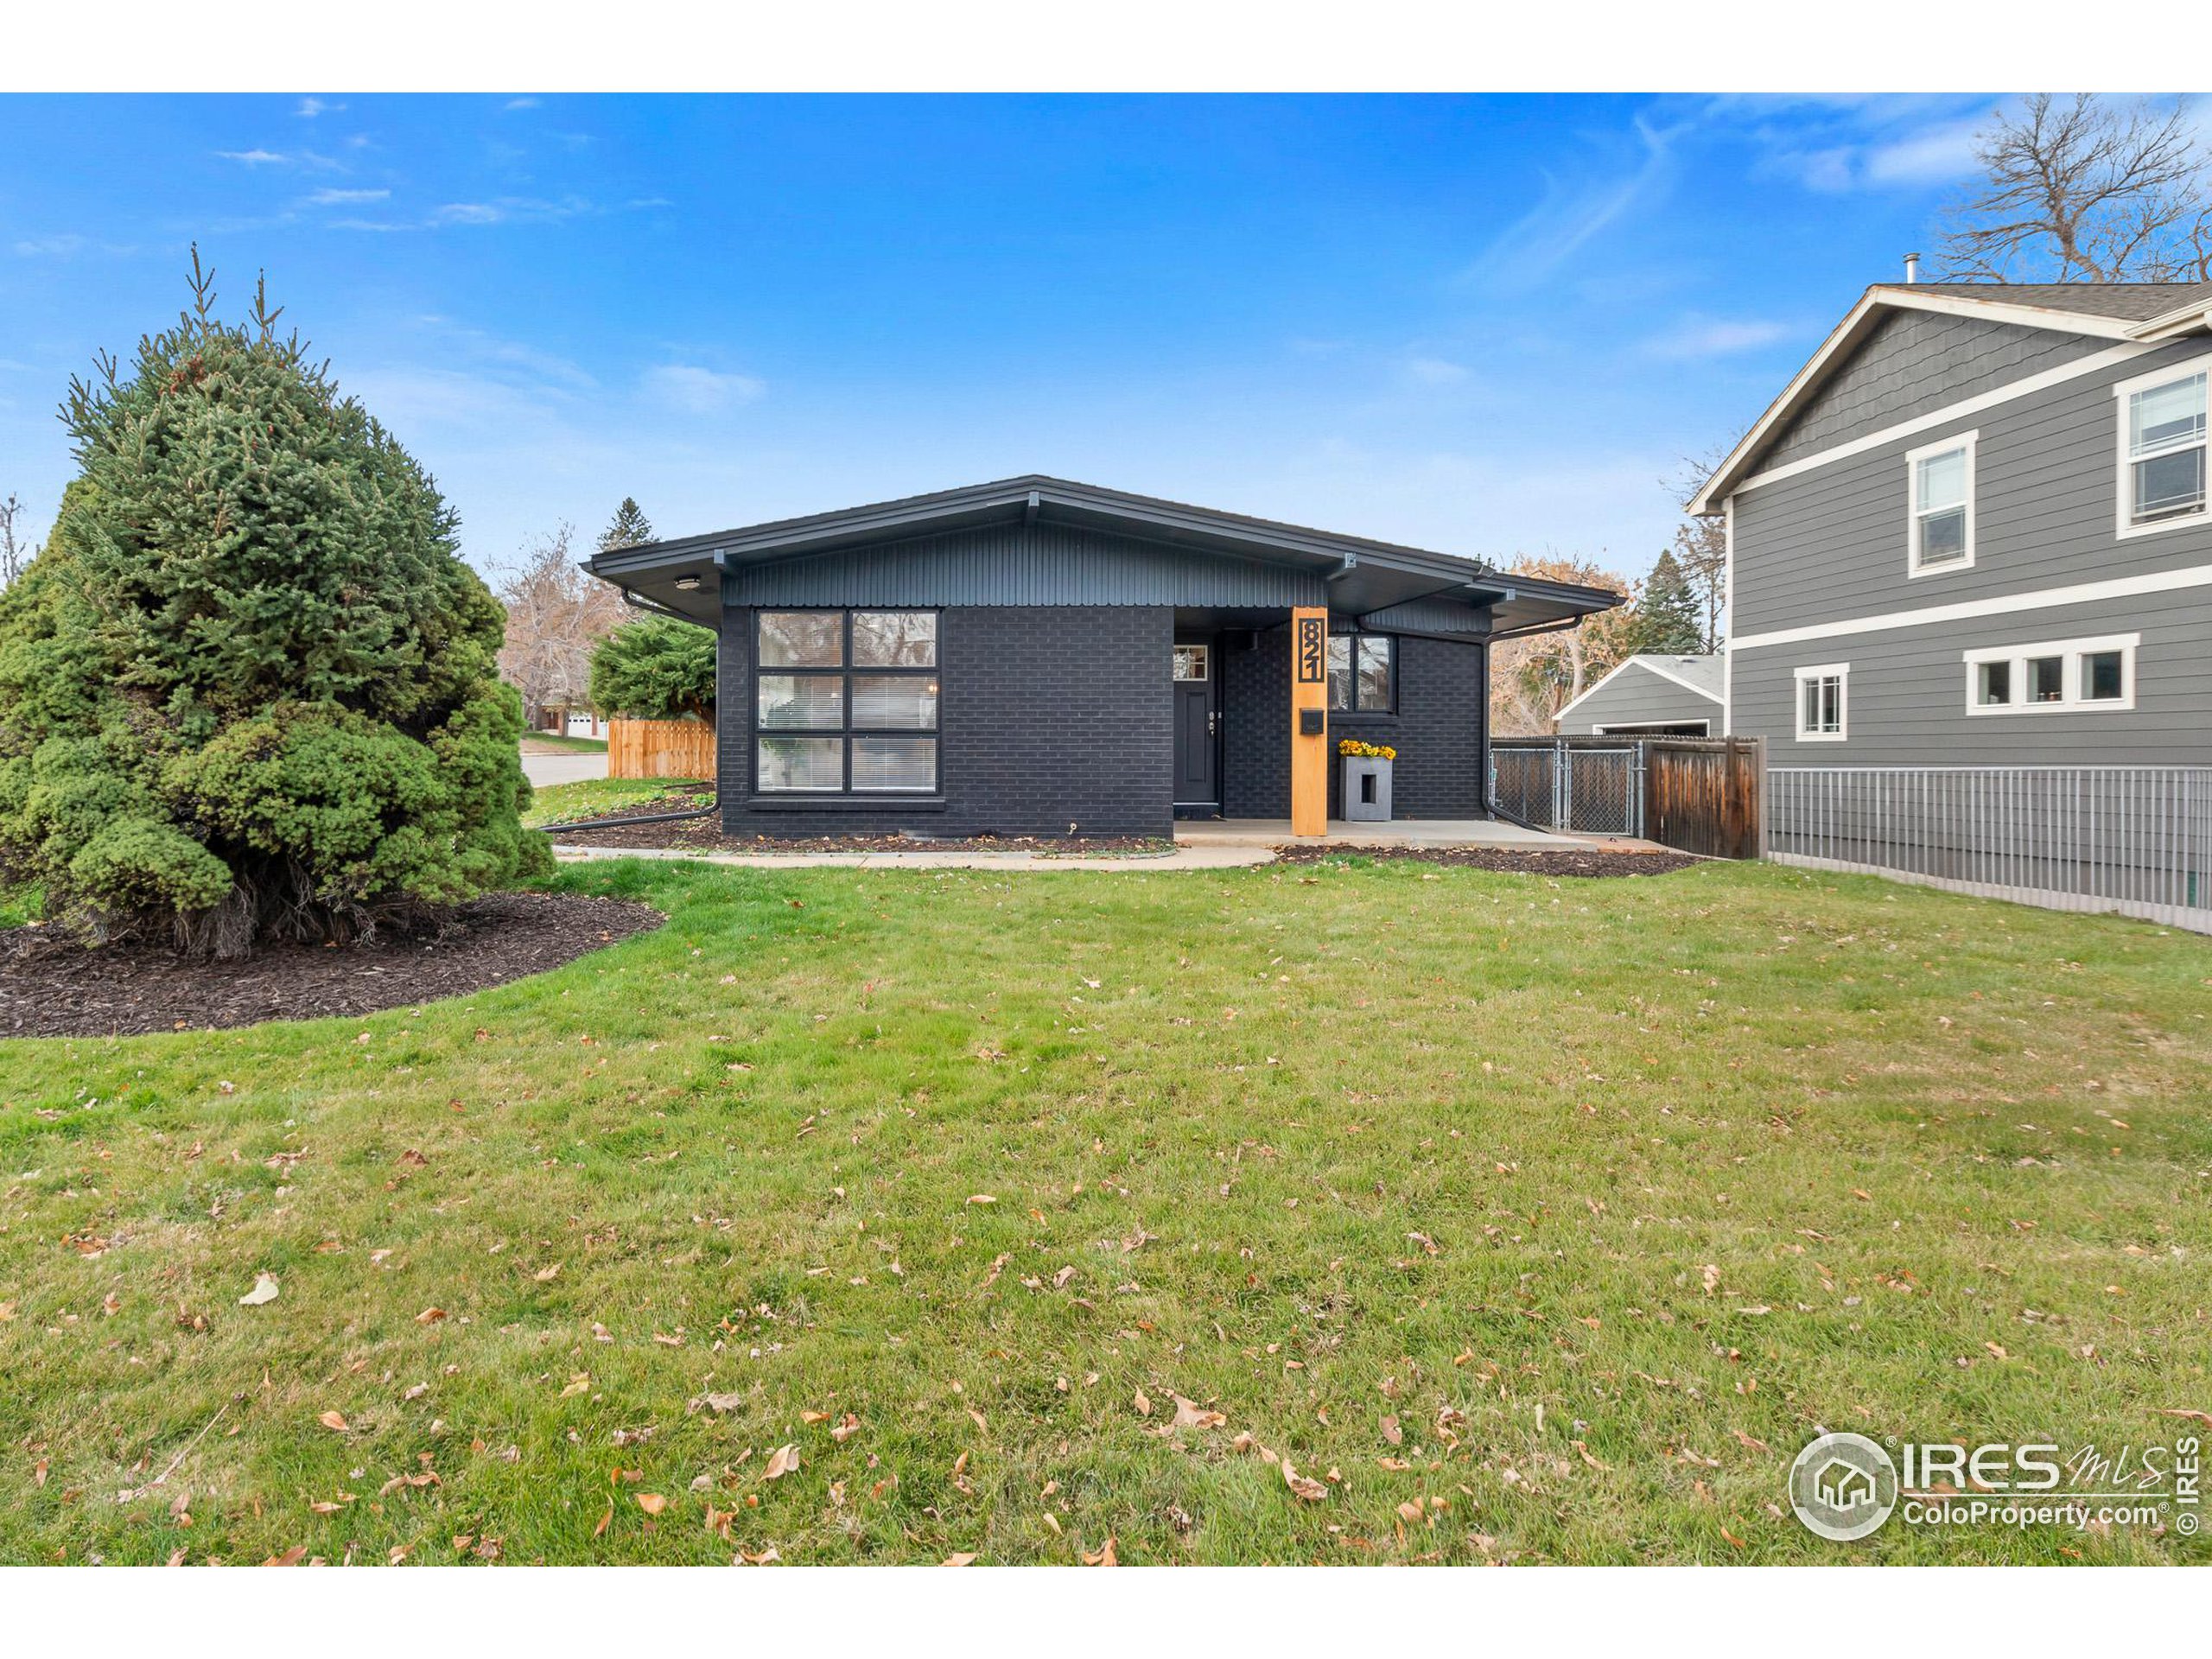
1942, 490
2162, 444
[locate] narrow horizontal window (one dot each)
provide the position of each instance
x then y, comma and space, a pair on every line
801, 702
2063, 674
900, 763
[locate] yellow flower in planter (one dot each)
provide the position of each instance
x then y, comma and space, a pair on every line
1352, 749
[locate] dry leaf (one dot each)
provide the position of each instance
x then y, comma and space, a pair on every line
1392, 1433
965, 1559
1301, 1485
781, 1462
605, 1522
429, 1316
543, 1274
1143, 1405
2203, 1417
982, 1198
1410, 1511
332, 1420
651, 1502
1189, 1415
265, 1290
719, 1402
1103, 1557
848, 1426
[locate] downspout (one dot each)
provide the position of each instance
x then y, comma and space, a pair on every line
713, 805
1490, 797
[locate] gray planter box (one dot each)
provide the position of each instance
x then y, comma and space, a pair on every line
1367, 789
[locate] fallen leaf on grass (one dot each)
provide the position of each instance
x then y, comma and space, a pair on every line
2204, 1417
1189, 1414
265, 1290
718, 1402
291, 1557
605, 1522
982, 1198
1302, 1485
1392, 1433
781, 1462
1586, 1457
1102, 1557
332, 1420
579, 1382
1142, 1404
966, 1558
651, 1502
545, 1275
429, 1316
846, 1428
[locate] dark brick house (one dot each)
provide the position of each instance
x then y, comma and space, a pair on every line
1035, 657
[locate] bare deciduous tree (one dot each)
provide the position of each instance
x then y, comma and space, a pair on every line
1701, 544
555, 615
2082, 189
1532, 679
13, 556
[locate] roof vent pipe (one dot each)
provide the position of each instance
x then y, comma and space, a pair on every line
1912, 267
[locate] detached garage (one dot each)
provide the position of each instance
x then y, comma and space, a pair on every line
1649, 697
1041, 658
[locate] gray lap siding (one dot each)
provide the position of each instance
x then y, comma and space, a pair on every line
1642, 698
1907, 692
1052, 720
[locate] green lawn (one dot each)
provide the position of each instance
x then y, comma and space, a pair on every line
1532, 1220
595, 797
562, 741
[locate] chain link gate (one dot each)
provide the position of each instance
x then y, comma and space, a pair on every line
1595, 789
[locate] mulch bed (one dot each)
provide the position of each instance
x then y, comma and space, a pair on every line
51, 985
1503, 859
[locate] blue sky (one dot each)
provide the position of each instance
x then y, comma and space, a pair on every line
1485, 324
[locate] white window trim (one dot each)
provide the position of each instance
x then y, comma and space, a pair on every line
2123, 486
1840, 672
1914, 567
2071, 652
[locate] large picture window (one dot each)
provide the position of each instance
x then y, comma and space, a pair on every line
1362, 673
845, 702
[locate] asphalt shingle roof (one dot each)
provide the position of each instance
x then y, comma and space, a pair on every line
2128, 301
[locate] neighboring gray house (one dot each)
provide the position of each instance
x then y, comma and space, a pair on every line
1649, 695
1973, 530
1970, 593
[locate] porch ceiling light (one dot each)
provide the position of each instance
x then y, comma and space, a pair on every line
687, 584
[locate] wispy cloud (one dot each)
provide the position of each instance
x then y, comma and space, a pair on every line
700, 391
520, 104
1889, 143
510, 209
49, 247
1434, 372
340, 197
254, 158
311, 107
1574, 212
1696, 338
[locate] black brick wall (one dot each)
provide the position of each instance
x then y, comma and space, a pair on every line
1048, 716
1437, 731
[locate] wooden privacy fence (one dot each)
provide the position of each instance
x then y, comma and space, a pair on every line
1706, 795
660, 748
1701, 795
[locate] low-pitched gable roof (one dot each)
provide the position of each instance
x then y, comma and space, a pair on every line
1701, 674
682, 573
2139, 312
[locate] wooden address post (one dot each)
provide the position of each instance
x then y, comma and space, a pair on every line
1309, 722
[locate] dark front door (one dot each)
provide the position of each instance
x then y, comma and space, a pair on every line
1197, 789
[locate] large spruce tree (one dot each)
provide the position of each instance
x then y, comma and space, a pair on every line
248, 690
628, 528
1669, 621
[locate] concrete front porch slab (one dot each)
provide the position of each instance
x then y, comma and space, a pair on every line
1400, 832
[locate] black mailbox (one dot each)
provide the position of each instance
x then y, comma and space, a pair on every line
1312, 722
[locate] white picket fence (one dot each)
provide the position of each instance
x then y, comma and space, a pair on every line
2133, 840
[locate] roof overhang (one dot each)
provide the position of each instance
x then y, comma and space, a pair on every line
1361, 576
1884, 298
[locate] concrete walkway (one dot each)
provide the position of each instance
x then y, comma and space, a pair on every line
1220, 845
1399, 832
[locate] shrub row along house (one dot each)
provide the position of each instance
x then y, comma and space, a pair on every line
1037, 657
1971, 535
